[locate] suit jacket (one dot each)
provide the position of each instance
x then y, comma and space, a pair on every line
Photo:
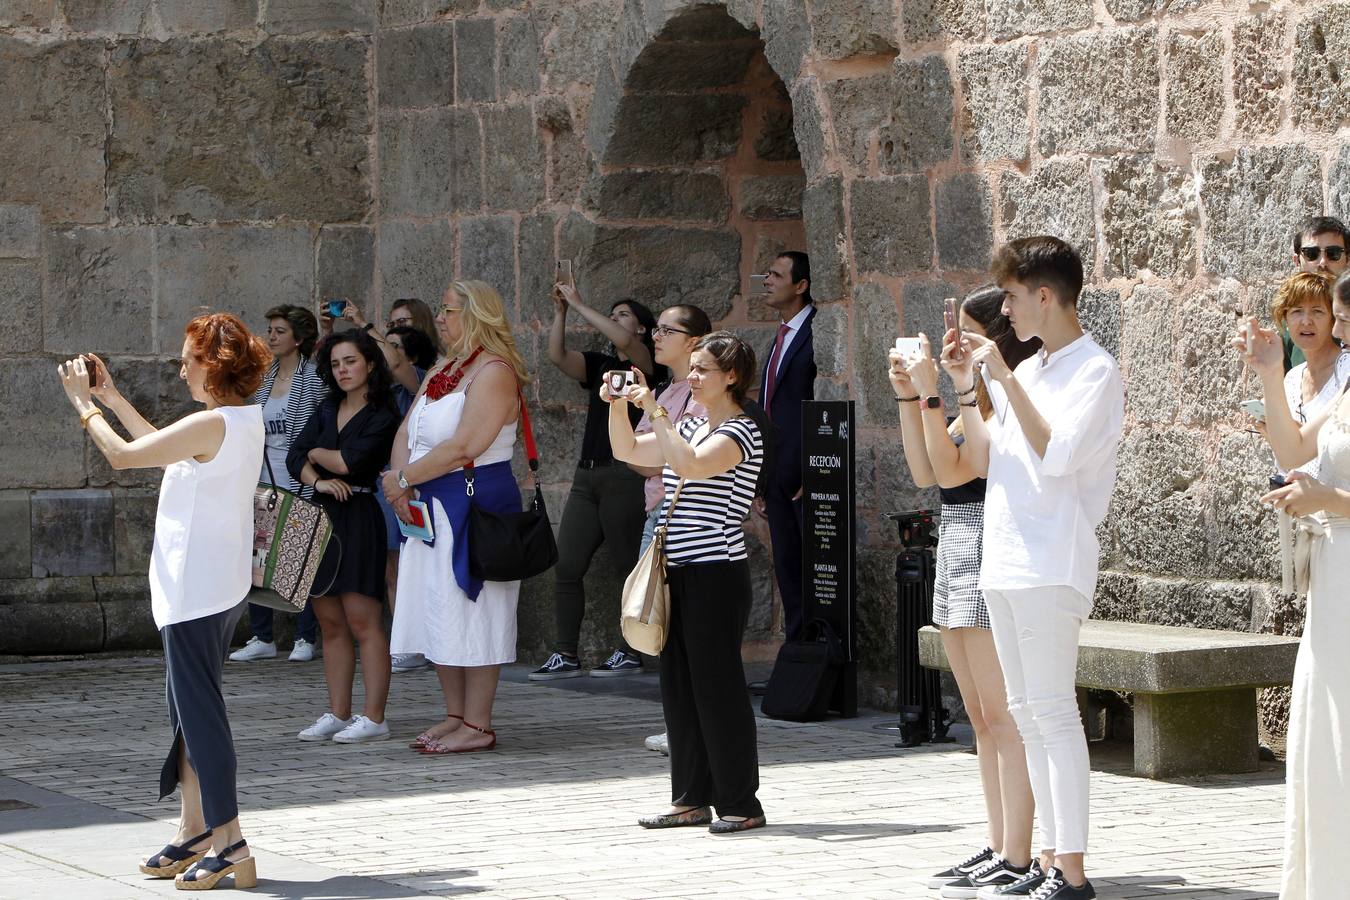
796, 383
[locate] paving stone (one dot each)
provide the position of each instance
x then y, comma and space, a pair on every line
197, 153
890, 217
875, 325
854, 28
21, 288
514, 170
575, 38
1252, 203
1014, 18
654, 129
51, 148
964, 218
1258, 73
770, 197
72, 533
19, 235
487, 252
1321, 49
1150, 218
416, 66
656, 194
518, 57
100, 287
1195, 85
995, 90
1098, 92
475, 60
206, 16
823, 218
1055, 199
347, 264
931, 20
16, 551
416, 260
300, 16
922, 108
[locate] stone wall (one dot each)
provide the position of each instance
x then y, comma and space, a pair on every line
167, 153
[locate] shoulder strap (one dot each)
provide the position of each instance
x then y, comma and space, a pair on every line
670, 510
531, 450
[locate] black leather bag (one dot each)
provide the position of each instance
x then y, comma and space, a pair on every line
804, 675
511, 546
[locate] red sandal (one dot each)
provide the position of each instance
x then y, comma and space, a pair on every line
437, 748
426, 738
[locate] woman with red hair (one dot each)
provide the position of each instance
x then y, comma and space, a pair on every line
199, 571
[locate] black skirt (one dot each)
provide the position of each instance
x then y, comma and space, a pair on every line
354, 560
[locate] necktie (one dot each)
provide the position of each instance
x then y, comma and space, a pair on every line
771, 381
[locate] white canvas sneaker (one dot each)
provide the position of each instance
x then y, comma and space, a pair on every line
254, 649
361, 730
324, 728
303, 651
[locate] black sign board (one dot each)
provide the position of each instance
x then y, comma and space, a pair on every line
829, 556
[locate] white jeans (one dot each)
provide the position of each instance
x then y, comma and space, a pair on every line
1036, 634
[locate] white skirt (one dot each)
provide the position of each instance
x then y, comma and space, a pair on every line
434, 617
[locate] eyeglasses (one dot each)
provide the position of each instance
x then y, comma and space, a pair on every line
1312, 253
447, 310
399, 322
666, 330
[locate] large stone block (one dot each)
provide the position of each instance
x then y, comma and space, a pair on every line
1253, 202
823, 218
301, 16
575, 37
19, 235
21, 288
142, 383
1321, 54
27, 13
285, 136
206, 16
1338, 184
890, 225
932, 20
72, 533
1098, 92
1195, 85
787, 38
769, 197
875, 325
128, 622
487, 252
994, 87
1157, 517
845, 28
570, 165
921, 108
1149, 348
244, 271
538, 267
16, 550
775, 141
644, 194
416, 66
415, 150
858, 108
133, 529
100, 290
49, 615
1099, 311
1014, 18
125, 17
808, 125
1258, 73
51, 148
830, 338
922, 304
416, 259
1055, 199
347, 265
475, 60
1245, 545
964, 217
669, 129
514, 169
1150, 217
518, 57
1211, 373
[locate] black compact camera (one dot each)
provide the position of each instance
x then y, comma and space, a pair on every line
917, 527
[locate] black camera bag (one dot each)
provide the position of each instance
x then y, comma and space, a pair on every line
804, 675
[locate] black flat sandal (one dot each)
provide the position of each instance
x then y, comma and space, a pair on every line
174, 858
699, 815
245, 871
728, 826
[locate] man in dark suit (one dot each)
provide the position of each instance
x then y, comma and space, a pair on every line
789, 377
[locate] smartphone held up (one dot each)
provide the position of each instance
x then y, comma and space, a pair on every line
908, 347
620, 380
951, 318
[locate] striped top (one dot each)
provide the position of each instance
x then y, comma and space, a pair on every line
705, 526
307, 390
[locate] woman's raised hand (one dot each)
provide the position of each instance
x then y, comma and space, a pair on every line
901, 382
980, 349
104, 390
569, 293
75, 381
639, 394
923, 370
1259, 348
960, 369
1303, 495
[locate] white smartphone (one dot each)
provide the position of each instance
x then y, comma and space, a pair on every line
1255, 408
564, 274
908, 346
620, 380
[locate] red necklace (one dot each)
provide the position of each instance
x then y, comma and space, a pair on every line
445, 381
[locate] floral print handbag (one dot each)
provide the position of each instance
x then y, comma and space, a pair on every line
290, 535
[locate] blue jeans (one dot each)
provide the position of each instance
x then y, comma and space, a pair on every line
260, 623
649, 529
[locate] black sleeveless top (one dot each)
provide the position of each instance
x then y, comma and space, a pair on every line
970, 492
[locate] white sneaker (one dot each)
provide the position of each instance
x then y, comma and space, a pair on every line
254, 649
361, 730
324, 728
303, 651
407, 662
659, 743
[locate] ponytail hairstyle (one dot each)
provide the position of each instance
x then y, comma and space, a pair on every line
985, 306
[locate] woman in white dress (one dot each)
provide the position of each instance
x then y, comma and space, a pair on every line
1303, 305
1317, 829
465, 412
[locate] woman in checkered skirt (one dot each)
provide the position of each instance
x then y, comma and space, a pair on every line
933, 451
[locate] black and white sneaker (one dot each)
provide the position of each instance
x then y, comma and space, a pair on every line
1056, 887
960, 870
557, 666
996, 872
619, 663
1023, 887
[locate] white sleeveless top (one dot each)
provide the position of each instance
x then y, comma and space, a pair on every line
432, 423
201, 560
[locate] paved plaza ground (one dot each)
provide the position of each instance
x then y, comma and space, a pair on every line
551, 812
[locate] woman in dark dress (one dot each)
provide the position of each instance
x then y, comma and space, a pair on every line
340, 454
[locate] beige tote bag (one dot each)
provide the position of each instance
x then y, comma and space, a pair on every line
645, 611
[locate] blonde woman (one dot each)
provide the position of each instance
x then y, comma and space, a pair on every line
465, 412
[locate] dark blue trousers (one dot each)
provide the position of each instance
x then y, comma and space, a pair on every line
260, 623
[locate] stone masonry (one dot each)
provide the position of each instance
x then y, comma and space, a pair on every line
161, 155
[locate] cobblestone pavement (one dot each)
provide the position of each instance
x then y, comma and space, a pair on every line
551, 812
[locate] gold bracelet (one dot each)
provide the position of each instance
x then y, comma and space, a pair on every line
89, 414
658, 413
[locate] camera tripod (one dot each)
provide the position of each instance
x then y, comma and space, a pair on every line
919, 690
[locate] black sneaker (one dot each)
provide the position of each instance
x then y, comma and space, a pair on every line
1023, 887
557, 666
619, 663
996, 872
1055, 887
960, 870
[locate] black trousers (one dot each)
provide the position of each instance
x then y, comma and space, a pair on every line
710, 724
785, 531
194, 655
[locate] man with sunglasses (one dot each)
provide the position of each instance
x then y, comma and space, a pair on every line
1319, 246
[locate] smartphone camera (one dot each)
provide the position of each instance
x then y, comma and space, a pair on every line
335, 308
1278, 481
92, 367
564, 273
908, 346
619, 381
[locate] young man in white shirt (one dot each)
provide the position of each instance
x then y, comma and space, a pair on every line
1049, 452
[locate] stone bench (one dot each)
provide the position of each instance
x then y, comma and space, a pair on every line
1194, 689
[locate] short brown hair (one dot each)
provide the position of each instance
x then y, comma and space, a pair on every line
234, 358
734, 357
1041, 261
303, 325
1299, 289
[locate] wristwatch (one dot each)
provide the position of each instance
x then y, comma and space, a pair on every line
933, 402
403, 482
658, 413
369, 326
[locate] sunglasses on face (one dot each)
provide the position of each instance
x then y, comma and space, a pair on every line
666, 330
1311, 254
447, 310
